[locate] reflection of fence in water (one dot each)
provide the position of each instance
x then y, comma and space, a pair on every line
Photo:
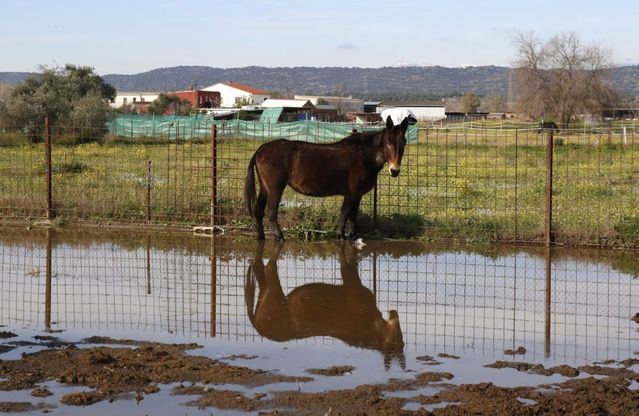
459, 302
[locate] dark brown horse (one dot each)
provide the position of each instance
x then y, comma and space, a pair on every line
347, 312
348, 167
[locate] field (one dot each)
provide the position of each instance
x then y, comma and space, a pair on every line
468, 183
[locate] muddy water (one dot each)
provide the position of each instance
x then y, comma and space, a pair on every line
379, 308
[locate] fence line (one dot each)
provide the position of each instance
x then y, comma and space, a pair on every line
460, 183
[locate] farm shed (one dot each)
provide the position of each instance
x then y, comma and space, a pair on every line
232, 93
292, 110
341, 104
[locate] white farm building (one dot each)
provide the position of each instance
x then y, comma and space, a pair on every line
234, 93
133, 98
422, 112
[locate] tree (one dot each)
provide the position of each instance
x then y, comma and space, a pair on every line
125, 109
470, 102
242, 101
562, 77
169, 103
495, 104
73, 94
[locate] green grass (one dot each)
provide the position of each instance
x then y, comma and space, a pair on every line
479, 187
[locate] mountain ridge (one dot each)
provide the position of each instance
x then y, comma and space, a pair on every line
388, 82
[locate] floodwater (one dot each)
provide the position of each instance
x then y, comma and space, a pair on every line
297, 306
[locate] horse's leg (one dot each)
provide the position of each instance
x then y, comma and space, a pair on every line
272, 205
348, 265
346, 209
259, 214
352, 217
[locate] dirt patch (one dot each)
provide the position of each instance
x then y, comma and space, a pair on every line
613, 372
427, 359
7, 334
20, 407
239, 357
336, 370
564, 370
109, 371
150, 389
41, 392
444, 355
132, 342
586, 396
519, 351
221, 399
362, 400
53, 342
46, 338
83, 398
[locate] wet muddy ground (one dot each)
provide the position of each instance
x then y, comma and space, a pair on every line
156, 324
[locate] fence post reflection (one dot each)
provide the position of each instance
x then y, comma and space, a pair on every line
548, 301
148, 264
375, 274
47, 293
213, 285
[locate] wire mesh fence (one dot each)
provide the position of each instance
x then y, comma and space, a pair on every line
456, 181
557, 303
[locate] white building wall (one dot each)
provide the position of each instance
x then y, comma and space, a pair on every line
422, 113
128, 97
230, 95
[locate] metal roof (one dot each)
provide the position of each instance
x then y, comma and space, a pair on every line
273, 102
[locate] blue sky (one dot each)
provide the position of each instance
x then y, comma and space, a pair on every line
138, 35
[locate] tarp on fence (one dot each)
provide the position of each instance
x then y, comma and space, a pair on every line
271, 115
199, 127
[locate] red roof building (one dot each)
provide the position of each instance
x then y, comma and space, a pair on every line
199, 98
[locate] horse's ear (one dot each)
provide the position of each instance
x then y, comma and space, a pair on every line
404, 125
389, 123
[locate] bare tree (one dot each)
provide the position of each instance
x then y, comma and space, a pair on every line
562, 77
495, 103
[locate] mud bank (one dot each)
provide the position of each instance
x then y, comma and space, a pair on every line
107, 371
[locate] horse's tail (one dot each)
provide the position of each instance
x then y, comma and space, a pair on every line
249, 295
249, 189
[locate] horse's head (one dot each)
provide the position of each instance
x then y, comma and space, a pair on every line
394, 142
390, 333
391, 340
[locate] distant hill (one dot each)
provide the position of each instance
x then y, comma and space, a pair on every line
386, 82
13, 77
369, 82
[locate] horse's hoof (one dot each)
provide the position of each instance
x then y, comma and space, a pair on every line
353, 237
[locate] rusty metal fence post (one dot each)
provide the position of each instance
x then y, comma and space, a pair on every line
149, 180
47, 168
213, 174
549, 238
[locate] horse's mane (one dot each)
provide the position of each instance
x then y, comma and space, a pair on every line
361, 138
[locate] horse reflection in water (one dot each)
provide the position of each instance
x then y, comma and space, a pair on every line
347, 312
